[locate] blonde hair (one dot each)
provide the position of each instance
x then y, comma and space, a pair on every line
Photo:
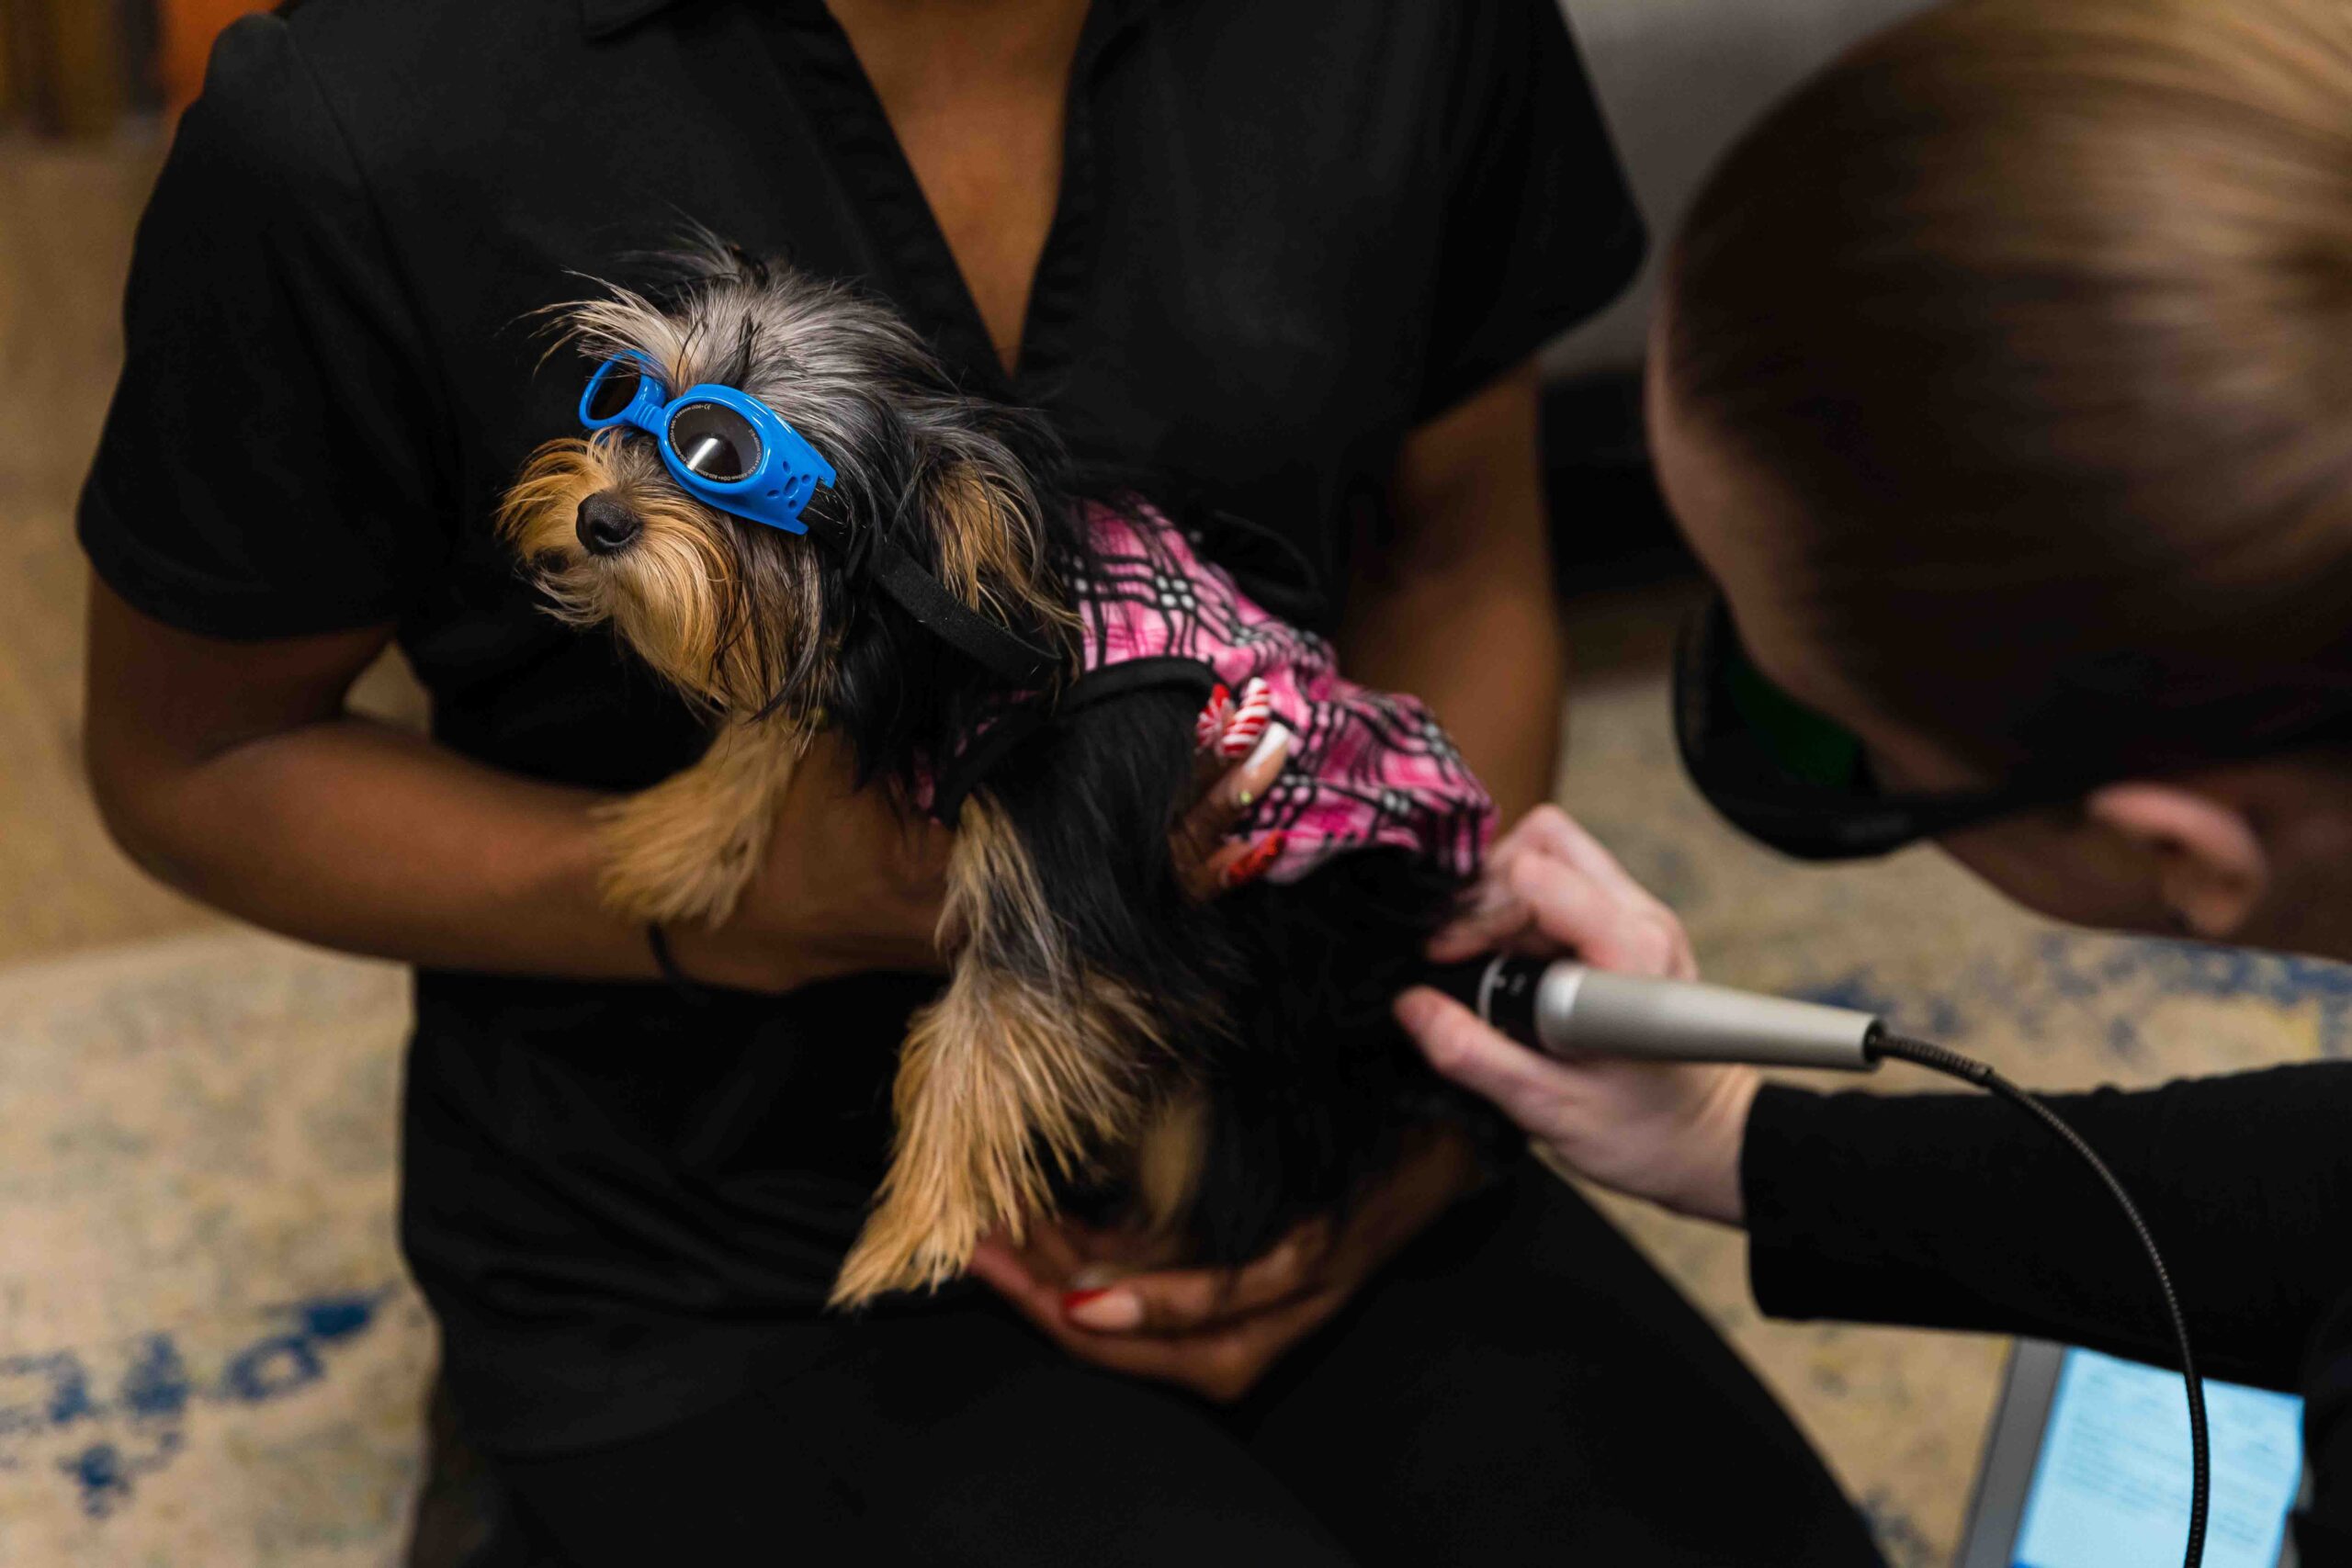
2039, 312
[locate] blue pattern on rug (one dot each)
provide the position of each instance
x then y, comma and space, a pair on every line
2105, 972
49, 1401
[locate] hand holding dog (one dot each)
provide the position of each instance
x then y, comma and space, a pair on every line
1218, 1331
850, 883
1670, 1133
1547, 887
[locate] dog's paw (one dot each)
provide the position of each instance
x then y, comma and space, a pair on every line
665, 863
893, 1255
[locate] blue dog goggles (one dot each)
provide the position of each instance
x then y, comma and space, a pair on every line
732, 452
726, 449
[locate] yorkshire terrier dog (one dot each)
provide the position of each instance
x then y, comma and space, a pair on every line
783, 505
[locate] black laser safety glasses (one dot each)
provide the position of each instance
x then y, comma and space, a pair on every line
1801, 783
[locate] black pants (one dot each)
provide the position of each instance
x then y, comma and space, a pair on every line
1520, 1386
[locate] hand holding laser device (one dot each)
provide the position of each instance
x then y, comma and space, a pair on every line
1657, 1080
1662, 1125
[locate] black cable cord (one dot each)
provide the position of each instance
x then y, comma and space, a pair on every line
1936, 1058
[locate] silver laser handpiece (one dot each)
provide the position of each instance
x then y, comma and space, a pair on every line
1566, 1010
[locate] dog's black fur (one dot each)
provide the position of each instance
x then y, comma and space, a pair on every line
1268, 1006
1283, 991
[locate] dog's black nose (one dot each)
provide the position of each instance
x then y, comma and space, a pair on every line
606, 526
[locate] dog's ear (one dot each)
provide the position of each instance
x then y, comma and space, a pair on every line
988, 492
1023, 1070
991, 540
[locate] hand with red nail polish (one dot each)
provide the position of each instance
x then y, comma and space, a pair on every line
1105, 1309
1230, 780
1218, 1331
1252, 862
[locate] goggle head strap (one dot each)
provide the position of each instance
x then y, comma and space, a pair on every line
1016, 727
865, 552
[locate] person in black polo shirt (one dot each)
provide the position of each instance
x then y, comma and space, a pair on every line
1296, 258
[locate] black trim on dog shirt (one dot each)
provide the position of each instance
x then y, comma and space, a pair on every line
1014, 727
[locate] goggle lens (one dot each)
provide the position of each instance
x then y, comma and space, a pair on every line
616, 389
1804, 744
714, 443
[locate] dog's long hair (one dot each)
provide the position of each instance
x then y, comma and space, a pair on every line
745, 619
1085, 1048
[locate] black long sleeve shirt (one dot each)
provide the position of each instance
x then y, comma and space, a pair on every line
1953, 1211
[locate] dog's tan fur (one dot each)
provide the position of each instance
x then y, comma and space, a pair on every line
1018, 1073
658, 598
1170, 1155
1022, 1070
983, 559
685, 849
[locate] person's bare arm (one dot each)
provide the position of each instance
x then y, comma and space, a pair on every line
1458, 609
232, 771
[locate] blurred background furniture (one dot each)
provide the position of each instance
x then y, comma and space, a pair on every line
88, 68
75, 67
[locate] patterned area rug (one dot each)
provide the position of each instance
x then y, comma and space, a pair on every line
207, 1353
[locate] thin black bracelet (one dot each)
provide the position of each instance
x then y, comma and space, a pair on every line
667, 962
